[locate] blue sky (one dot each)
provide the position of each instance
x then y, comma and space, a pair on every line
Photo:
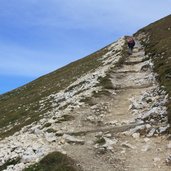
39, 36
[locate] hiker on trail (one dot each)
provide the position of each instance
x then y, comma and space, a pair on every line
131, 44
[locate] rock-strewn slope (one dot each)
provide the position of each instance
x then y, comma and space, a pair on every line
111, 118
156, 39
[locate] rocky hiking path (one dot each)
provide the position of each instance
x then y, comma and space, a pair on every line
119, 128
138, 149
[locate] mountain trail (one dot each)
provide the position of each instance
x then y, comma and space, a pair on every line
114, 128
111, 149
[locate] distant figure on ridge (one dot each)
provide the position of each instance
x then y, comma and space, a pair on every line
131, 44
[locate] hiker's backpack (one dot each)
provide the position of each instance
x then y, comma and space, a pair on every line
131, 41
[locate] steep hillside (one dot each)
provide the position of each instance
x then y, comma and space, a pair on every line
21, 106
156, 39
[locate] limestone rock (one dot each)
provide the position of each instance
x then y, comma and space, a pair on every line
136, 135
168, 161
151, 133
127, 145
145, 148
169, 145
72, 139
50, 137
109, 143
146, 140
163, 129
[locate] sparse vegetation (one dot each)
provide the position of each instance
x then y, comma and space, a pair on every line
9, 162
65, 118
55, 161
105, 82
51, 130
100, 141
88, 101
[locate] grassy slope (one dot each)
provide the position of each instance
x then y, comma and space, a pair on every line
20, 107
159, 48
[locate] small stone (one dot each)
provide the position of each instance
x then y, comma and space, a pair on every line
10, 166
127, 145
168, 161
123, 151
145, 148
156, 159
109, 143
163, 129
63, 152
136, 135
137, 129
146, 140
96, 146
102, 150
140, 122
90, 118
112, 122
148, 126
99, 134
169, 145
151, 133
62, 141
50, 137
72, 139
108, 135
125, 122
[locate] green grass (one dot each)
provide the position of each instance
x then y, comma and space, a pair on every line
100, 141
54, 162
159, 49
